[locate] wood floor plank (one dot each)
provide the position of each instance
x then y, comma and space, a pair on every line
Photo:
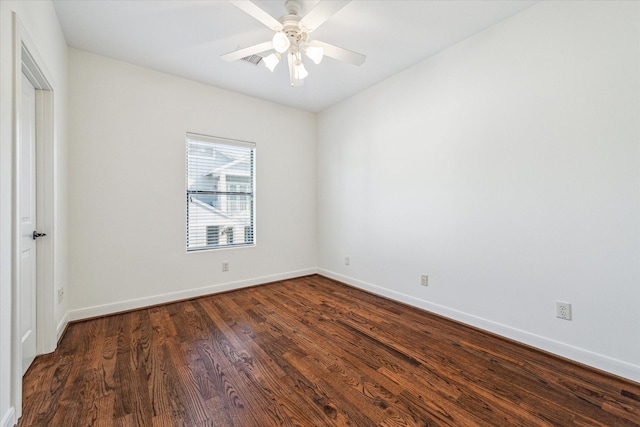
309, 352
256, 366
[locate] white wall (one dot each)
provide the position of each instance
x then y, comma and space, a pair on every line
40, 21
127, 187
507, 169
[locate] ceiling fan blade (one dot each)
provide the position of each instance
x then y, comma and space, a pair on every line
340, 53
247, 51
258, 13
321, 13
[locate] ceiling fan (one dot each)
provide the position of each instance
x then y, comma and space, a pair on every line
292, 38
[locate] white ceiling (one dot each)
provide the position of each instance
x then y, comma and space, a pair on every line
186, 38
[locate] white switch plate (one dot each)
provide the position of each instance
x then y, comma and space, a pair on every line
347, 260
225, 266
424, 280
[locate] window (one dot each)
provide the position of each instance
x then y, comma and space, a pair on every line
229, 233
238, 184
213, 235
220, 192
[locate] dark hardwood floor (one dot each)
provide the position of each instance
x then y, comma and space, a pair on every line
309, 352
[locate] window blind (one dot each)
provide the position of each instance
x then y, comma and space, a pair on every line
220, 192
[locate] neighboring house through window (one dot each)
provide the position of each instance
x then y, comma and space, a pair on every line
220, 192
213, 235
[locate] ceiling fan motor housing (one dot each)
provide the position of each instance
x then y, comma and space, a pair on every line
291, 24
293, 7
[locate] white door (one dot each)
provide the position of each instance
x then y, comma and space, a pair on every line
27, 159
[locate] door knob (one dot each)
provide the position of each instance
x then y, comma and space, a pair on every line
36, 235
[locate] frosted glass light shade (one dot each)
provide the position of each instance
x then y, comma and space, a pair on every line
271, 61
300, 71
281, 42
315, 53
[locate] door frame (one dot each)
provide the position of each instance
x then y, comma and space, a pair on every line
28, 60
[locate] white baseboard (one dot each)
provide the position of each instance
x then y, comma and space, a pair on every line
9, 418
105, 309
598, 361
61, 326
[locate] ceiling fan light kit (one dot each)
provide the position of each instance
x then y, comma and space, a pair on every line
299, 71
315, 53
291, 34
271, 61
281, 42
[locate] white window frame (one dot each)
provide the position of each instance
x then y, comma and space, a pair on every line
193, 241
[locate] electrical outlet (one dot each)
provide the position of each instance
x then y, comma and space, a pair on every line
563, 310
225, 266
60, 295
424, 280
347, 260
